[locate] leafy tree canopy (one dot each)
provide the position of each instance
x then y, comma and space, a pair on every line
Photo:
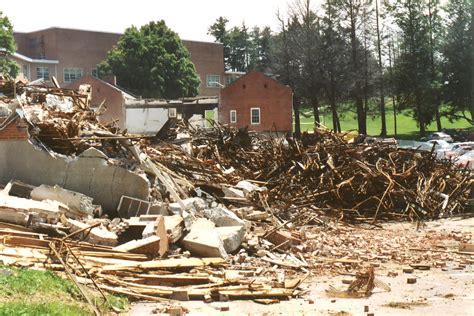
152, 62
8, 46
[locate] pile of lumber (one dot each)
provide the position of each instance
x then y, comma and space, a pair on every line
137, 276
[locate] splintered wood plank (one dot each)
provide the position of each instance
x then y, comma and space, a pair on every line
167, 264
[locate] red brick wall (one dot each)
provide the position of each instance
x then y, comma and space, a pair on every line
85, 49
208, 59
102, 91
257, 90
14, 131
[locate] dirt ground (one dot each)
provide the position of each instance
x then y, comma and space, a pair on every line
443, 290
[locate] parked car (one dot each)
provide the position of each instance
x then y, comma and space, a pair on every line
460, 134
437, 136
466, 160
460, 150
448, 152
440, 144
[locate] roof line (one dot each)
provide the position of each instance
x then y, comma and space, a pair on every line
31, 60
106, 32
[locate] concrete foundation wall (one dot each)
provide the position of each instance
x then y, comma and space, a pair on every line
145, 120
90, 175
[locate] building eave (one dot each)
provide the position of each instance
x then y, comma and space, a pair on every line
32, 60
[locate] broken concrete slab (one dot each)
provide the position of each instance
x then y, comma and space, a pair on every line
222, 217
17, 210
231, 236
74, 200
203, 240
192, 204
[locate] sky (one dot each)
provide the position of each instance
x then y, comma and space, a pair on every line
189, 18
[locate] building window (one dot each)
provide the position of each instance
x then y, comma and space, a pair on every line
94, 73
172, 112
255, 116
229, 79
42, 72
213, 81
25, 71
233, 116
71, 74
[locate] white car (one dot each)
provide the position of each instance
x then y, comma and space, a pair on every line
440, 144
466, 160
438, 136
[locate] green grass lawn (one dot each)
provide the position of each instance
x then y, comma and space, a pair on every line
31, 292
406, 126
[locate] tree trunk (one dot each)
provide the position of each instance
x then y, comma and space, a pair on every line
361, 123
383, 132
296, 110
421, 120
316, 111
394, 116
438, 119
335, 119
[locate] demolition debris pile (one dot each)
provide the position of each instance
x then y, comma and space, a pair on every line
324, 173
236, 201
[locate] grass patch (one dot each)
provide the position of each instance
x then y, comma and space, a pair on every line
32, 292
406, 125
33, 309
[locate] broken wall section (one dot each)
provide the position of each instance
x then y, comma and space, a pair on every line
89, 174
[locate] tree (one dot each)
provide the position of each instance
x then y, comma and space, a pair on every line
239, 43
221, 35
435, 28
152, 62
286, 65
260, 45
351, 13
458, 65
383, 132
8, 46
243, 50
412, 70
335, 72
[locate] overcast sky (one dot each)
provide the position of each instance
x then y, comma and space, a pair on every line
189, 18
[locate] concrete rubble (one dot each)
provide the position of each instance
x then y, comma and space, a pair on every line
209, 214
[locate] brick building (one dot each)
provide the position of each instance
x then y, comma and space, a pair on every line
13, 128
113, 96
69, 54
257, 101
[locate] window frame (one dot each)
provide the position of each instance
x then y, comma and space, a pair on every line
217, 82
69, 73
172, 112
259, 116
234, 112
43, 72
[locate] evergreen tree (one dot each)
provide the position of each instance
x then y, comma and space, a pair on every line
458, 65
412, 71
